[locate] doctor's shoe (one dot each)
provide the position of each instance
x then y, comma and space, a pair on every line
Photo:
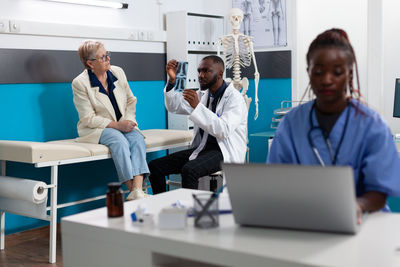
136, 193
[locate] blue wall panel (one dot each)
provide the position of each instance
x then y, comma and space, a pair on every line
37, 112
270, 94
150, 109
43, 112
394, 204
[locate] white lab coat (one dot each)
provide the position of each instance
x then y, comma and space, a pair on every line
228, 125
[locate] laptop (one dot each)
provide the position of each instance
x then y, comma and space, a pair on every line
300, 197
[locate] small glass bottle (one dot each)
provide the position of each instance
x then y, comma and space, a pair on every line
115, 203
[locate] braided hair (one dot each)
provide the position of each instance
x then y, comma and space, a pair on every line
337, 38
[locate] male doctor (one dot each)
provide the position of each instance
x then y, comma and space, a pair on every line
219, 114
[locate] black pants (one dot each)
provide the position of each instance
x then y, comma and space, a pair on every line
207, 162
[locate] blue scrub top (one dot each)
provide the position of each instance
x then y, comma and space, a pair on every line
367, 146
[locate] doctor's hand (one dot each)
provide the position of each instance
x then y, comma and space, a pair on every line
191, 97
124, 126
171, 68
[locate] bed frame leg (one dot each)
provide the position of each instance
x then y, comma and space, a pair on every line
3, 167
53, 215
2, 227
2, 213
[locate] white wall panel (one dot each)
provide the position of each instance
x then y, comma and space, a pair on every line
142, 15
316, 16
391, 59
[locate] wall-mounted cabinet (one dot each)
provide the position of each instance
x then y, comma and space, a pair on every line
190, 37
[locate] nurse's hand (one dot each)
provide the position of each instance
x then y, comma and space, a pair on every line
359, 213
171, 68
191, 97
369, 202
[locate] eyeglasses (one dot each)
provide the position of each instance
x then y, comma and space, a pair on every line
103, 58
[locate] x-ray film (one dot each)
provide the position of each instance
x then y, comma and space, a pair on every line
181, 73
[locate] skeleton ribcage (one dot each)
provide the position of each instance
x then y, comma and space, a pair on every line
244, 55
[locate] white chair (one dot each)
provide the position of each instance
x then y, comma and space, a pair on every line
211, 182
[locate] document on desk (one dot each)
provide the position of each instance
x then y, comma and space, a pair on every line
224, 202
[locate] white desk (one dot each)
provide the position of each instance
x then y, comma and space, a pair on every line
91, 239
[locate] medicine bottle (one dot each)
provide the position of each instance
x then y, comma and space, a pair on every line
115, 203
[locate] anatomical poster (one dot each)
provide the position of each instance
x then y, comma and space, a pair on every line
265, 20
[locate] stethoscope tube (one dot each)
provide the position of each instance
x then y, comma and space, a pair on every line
327, 141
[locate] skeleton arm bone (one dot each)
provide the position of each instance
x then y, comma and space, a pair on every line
218, 47
220, 42
256, 78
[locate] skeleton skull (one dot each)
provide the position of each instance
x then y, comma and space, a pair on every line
236, 18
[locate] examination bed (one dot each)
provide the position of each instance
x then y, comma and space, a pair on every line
62, 152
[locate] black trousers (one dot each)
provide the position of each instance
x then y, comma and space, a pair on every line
207, 162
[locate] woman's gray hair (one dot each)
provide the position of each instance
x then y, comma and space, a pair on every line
88, 50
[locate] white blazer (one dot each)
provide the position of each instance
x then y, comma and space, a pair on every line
228, 125
95, 109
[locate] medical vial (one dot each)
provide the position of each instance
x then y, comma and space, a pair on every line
115, 203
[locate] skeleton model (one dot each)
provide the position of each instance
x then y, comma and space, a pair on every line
238, 52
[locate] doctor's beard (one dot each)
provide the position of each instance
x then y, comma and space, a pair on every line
208, 85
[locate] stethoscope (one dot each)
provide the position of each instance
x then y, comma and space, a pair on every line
332, 153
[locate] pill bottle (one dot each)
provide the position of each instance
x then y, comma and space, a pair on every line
115, 203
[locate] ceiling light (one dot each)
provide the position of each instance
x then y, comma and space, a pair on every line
100, 3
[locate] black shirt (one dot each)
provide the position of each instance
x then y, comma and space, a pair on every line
216, 97
94, 82
326, 121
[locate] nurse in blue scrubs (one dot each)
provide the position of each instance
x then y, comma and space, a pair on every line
337, 128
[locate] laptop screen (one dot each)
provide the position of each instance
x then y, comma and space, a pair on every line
312, 198
396, 106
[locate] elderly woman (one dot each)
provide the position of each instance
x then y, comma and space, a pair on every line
106, 108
